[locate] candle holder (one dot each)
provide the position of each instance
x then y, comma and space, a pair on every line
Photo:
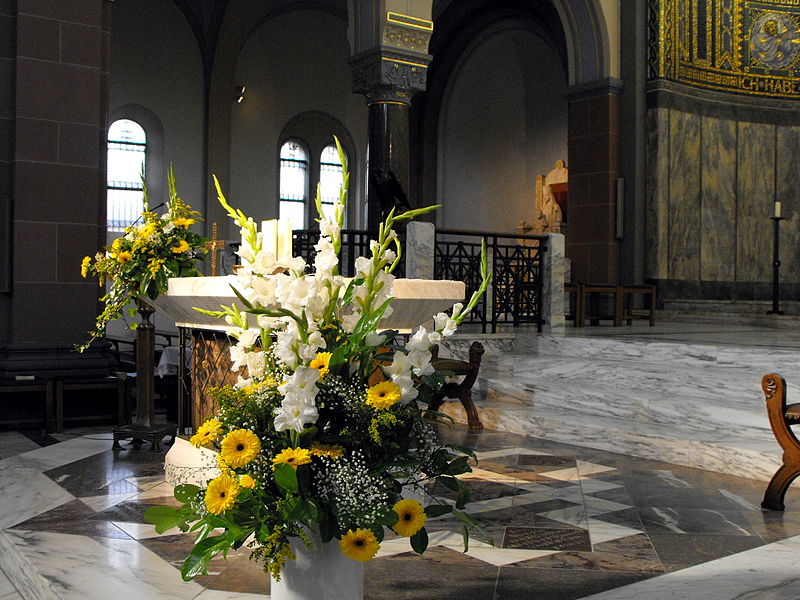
776, 266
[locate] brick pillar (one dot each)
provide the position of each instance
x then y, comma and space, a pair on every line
58, 196
593, 163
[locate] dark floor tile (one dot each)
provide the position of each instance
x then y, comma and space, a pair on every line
773, 525
516, 583
667, 519
74, 518
632, 554
680, 549
627, 518
440, 574
105, 473
40, 436
129, 511
236, 573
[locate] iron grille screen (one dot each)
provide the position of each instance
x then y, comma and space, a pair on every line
515, 293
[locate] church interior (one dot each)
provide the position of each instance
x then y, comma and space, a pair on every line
645, 144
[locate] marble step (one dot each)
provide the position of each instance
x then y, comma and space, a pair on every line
756, 458
759, 356
679, 410
733, 387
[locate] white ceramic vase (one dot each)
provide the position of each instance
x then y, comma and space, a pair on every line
321, 573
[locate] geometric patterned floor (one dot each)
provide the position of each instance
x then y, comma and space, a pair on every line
566, 521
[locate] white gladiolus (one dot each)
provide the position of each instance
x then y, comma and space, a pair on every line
303, 382
444, 324
407, 390
295, 413
374, 339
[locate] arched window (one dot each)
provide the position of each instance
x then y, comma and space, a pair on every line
330, 177
293, 183
127, 145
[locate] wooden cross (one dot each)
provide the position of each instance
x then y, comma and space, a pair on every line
214, 246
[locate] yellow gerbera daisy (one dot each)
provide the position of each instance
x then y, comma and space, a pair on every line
85, 266
155, 265
221, 494
247, 482
147, 230
182, 246
360, 544
124, 257
183, 222
321, 363
239, 447
383, 395
329, 450
292, 457
411, 517
206, 434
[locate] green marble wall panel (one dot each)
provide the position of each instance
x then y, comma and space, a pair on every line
718, 200
657, 242
684, 196
755, 195
788, 192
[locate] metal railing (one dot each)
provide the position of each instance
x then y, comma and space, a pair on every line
355, 243
516, 261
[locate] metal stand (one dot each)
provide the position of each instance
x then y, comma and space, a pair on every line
142, 429
776, 267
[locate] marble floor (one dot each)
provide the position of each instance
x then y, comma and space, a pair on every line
567, 522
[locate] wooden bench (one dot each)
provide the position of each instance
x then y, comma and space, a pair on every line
463, 390
54, 412
781, 418
45, 387
582, 296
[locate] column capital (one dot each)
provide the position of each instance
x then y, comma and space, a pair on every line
385, 74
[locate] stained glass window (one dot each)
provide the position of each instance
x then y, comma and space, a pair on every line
127, 145
294, 183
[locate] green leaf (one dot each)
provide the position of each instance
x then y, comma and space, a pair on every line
458, 466
437, 510
387, 516
286, 478
348, 294
419, 541
325, 528
377, 530
186, 492
164, 517
463, 450
203, 552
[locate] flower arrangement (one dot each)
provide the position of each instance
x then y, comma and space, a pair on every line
139, 264
327, 432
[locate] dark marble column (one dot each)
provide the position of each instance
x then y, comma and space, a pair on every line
388, 80
594, 168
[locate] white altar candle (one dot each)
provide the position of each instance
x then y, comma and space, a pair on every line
284, 240
777, 209
270, 242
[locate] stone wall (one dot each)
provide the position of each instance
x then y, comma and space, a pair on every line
712, 184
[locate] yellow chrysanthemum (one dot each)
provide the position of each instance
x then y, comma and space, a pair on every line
183, 222
329, 450
360, 544
383, 395
411, 517
247, 482
206, 434
239, 447
321, 363
124, 257
182, 246
221, 494
85, 263
292, 457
